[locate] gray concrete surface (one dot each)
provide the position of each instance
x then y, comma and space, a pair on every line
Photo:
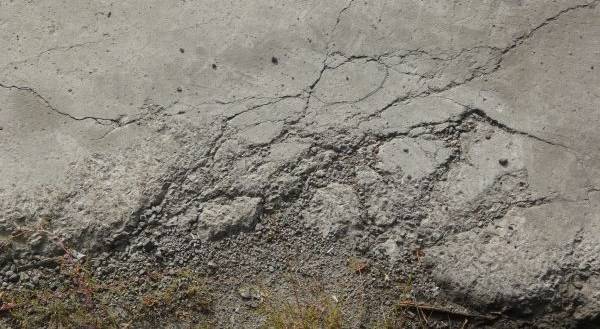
466, 129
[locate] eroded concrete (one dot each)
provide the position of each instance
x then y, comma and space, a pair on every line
453, 141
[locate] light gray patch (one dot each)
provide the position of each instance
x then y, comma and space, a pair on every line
220, 218
415, 157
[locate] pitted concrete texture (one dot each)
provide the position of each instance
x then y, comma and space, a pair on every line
465, 130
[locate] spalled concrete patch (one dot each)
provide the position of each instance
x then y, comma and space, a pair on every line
522, 258
489, 154
415, 158
334, 210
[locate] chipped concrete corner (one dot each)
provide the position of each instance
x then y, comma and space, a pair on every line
453, 142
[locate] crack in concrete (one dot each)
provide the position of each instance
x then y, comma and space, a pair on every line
339, 16
523, 38
470, 110
255, 107
55, 49
477, 73
339, 154
379, 59
362, 98
151, 109
309, 91
99, 120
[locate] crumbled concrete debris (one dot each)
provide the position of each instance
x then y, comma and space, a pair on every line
334, 210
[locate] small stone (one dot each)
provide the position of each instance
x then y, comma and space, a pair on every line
248, 293
77, 255
23, 277
36, 240
12, 276
503, 162
244, 293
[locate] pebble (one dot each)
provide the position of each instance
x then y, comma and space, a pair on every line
23, 276
12, 276
249, 293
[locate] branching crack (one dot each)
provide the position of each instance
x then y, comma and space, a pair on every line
478, 72
258, 106
339, 16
